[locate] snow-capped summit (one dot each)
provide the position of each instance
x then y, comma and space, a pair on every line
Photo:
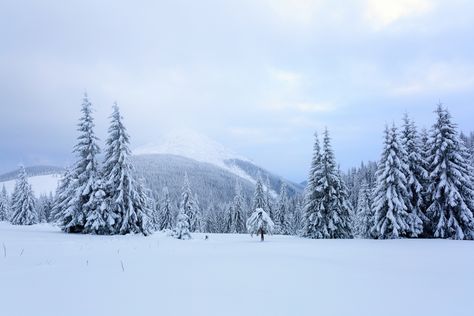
193, 145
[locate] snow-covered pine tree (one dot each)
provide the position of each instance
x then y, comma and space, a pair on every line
44, 206
190, 206
100, 220
24, 210
260, 223
329, 214
390, 194
451, 186
238, 212
268, 198
166, 214
127, 199
181, 231
4, 205
282, 212
64, 193
228, 219
297, 215
313, 194
416, 177
469, 143
363, 219
259, 199
72, 217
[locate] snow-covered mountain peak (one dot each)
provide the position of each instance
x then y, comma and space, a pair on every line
190, 144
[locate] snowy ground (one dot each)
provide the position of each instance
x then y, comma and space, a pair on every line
46, 272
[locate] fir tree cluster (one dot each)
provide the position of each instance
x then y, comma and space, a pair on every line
423, 187
102, 198
22, 207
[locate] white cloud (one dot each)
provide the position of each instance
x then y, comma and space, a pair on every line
290, 79
298, 12
300, 107
382, 13
436, 78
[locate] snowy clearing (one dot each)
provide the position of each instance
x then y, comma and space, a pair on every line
45, 184
46, 272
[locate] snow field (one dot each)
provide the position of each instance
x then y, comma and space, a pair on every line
46, 272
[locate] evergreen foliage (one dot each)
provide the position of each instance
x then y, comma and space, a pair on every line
4, 205
451, 181
260, 223
190, 206
416, 178
391, 191
128, 207
327, 211
23, 209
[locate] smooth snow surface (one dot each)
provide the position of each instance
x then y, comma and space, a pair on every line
41, 184
46, 272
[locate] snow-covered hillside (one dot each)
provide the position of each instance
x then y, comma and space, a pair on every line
47, 273
205, 151
212, 169
190, 144
43, 184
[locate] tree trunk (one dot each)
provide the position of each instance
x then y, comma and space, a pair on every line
262, 237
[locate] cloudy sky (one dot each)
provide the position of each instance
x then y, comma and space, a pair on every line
258, 76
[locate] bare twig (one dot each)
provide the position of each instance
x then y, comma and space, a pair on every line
22, 251
4, 250
123, 267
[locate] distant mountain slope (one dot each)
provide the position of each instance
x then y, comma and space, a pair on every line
32, 171
255, 171
212, 169
209, 182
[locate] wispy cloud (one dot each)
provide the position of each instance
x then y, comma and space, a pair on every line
436, 78
382, 13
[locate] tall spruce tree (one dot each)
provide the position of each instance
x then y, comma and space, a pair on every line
330, 216
282, 212
24, 210
238, 212
64, 194
166, 214
4, 205
416, 178
128, 205
259, 197
268, 198
391, 189
190, 206
451, 186
72, 216
363, 216
313, 194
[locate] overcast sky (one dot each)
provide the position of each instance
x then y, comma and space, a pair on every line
258, 76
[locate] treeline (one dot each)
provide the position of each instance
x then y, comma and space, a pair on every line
422, 186
108, 197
